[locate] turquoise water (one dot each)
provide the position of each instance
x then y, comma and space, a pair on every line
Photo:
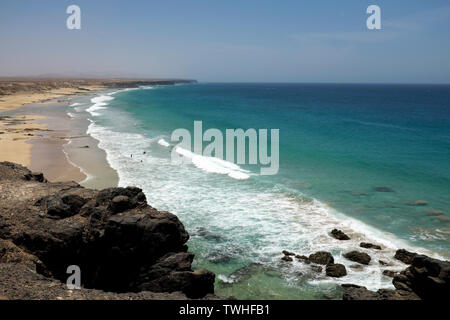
339, 144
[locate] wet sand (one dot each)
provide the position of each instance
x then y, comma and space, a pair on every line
46, 139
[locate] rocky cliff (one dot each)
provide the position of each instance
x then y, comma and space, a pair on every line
125, 248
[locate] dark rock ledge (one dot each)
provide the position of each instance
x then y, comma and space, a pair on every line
425, 279
124, 248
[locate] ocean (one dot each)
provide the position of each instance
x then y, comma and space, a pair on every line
371, 160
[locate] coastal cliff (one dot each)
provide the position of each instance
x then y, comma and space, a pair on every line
125, 248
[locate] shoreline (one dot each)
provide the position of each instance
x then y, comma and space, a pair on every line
37, 131
58, 146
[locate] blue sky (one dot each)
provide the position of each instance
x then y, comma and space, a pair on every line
232, 41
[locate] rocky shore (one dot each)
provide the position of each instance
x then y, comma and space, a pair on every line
124, 248
424, 279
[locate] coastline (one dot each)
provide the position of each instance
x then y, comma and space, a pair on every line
38, 131
45, 138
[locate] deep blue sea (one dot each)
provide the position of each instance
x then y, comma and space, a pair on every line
342, 147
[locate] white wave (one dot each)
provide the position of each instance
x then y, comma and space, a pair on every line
76, 104
99, 103
163, 142
214, 165
70, 114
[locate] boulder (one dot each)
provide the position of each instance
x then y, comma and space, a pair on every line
321, 257
335, 270
356, 256
369, 246
288, 253
287, 258
338, 234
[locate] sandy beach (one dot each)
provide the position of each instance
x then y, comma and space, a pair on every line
35, 131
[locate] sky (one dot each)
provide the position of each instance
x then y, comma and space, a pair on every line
229, 41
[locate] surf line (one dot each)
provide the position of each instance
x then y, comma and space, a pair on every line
235, 146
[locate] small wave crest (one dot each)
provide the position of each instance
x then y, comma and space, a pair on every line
163, 142
99, 103
214, 165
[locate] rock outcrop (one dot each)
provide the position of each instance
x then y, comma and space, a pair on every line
335, 270
339, 234
321, 257
426, 278
405, 256
356, 256
121, 244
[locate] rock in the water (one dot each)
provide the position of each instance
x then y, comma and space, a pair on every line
335, 270
435, 212
357, 267
356, 256
287, 258
384, 263
389, 273
419, 203
405, 256
288, 253
383, 189
321, 257
338, 234
369, 246
426, 278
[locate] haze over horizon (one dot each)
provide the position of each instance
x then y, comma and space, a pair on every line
232, 41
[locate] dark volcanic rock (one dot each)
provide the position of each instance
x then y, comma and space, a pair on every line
369, 246
354, 292
338, 234
405, 256
356, 256
120, 243
287, 259
335, 270
321, 257
288, 253
427, 277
